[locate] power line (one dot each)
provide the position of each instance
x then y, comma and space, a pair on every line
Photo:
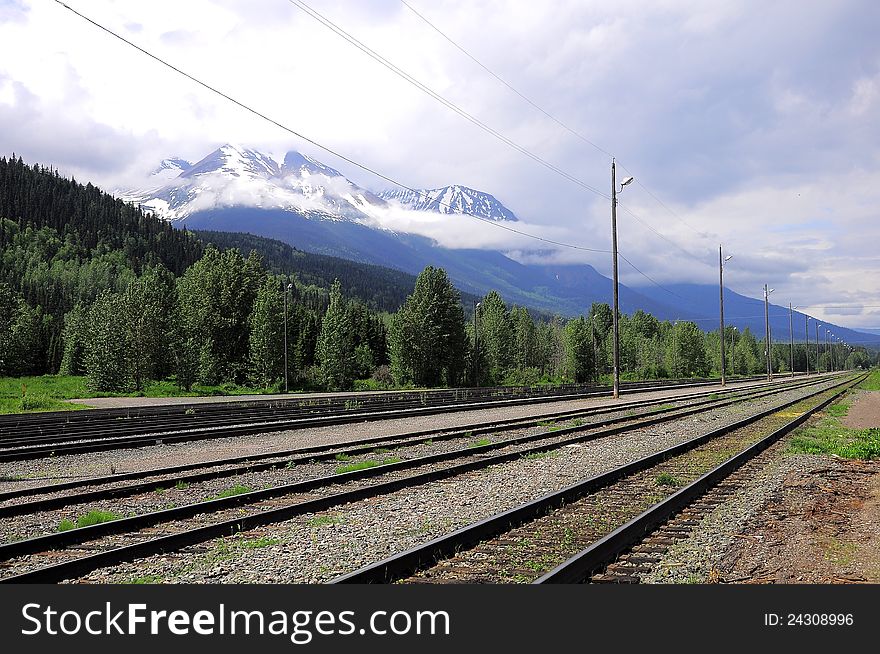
649, 278
548, 115
340, 156
302, 6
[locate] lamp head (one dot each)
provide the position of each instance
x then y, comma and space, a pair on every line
628, 180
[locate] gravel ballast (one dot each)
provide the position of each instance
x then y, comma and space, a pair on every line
316, 548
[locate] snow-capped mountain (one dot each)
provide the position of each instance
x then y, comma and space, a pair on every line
170, 168
452, 199
234, 176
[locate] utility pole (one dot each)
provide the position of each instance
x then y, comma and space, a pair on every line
767, 332
286, 291
791, 336
616, 308
721, 261
818, 367
807, 342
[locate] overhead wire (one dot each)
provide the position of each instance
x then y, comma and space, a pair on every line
317, 144
303, 6
308, 10
546, 113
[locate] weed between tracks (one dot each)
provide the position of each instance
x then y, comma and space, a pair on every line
363, 465
87, 520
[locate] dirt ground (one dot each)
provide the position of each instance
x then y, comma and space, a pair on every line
864, 412
824, 524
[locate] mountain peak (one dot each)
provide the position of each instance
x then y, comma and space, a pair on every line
298, 163
236, 161
455, 198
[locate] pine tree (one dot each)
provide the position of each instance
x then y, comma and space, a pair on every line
335, 349
266, 341
427, 341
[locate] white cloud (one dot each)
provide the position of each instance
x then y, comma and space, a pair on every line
760, 133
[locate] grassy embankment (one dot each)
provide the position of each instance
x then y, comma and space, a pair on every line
830, 436
48, 392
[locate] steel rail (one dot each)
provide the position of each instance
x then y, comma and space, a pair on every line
175, 541
109, 443
578, 567
308, 454
417, 558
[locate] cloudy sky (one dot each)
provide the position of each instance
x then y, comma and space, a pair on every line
752, 124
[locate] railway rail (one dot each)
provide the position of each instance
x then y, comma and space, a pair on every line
107, 487
138, 432
72, 553
566, 536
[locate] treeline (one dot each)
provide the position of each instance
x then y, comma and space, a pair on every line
101, 289
381, 289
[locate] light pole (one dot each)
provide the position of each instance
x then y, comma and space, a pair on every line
807, 342
721, 261
818, 367
791, 335
615, 308
286, 291
767, 293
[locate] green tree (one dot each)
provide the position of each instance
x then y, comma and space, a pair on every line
266, 341
335, 349
74, 335
495, 333
106, 352
427, 340
578, 343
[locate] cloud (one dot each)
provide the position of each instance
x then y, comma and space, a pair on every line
760, 134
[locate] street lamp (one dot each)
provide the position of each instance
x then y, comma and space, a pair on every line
286, 291
807, 342
721, 261
767, 293
791, 335
615, 308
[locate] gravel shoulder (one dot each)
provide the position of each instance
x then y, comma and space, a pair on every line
802, 519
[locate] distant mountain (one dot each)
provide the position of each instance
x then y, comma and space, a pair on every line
451, 199
699, 303
234, 176
313, 207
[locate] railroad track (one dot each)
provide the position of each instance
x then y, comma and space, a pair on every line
110, 486
568, 535
57, 556
38, 445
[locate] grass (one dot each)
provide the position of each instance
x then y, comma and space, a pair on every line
342, 457
146, 579
662, 407
837, 410
363, 465
48, 392
872, 383
232, 492
480, 443
830, 436
324, 520
666, 479
256, 543
87, 520
181, 485
534, 456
